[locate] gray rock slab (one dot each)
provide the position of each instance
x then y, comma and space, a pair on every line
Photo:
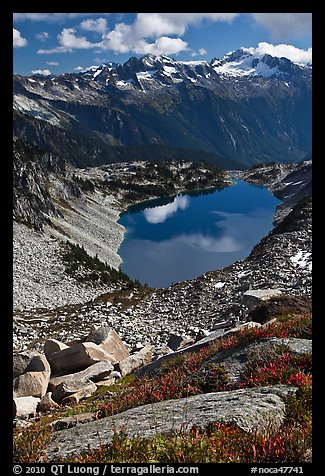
248, 408
206, 341
298, 346
78, 357
23, 407
155, 365
109, 340
71, 421
31, 384
81, 389
95, 372
254, 297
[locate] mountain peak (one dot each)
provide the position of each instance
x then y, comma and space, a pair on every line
247, 62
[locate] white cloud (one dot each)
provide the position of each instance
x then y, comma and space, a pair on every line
99, 25
98, 60
124, 38
69, 42
43, 72
201, 51
149, 33
42, 36
120, 39
79, 68
157, 24
52, 63
18, 40
57, 49
285, 25
294, 54
157, 27
160, 33
163, 46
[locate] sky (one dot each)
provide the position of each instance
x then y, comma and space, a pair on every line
56, 43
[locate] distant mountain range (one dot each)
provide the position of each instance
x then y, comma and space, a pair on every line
239, 110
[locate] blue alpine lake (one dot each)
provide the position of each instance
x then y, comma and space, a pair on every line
177, 238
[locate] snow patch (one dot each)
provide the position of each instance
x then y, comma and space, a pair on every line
244, 66
220, 284
169, 70
302, 259
97, 73
125, 84
194, 63
146, 75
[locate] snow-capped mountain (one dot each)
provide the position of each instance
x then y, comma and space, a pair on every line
244, 106
243, 63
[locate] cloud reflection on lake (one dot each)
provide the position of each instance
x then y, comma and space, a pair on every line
160, 214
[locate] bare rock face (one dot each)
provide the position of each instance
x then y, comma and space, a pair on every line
53, 345
32, 384
78, 357
235, 360
250, 409
109, 340
95, 373
39, 363
84, 388
134, 361
254, 297
21, 360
